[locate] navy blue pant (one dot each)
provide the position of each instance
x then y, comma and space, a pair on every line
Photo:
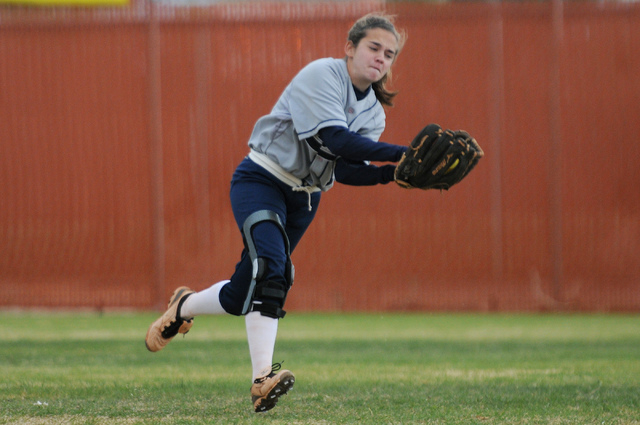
254, 189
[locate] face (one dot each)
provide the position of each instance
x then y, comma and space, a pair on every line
372, 58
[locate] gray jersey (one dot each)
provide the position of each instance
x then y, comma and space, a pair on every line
320, 95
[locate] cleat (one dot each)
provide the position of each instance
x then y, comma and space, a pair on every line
170, 324
268, 388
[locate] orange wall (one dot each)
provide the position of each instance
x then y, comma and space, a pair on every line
120, 128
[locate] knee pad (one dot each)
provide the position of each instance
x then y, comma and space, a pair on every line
266, 296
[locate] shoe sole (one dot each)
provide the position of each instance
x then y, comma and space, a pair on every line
284, 385
175, 297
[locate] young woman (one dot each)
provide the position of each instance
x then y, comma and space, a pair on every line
324, 127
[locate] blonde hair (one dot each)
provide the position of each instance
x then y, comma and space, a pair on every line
359, 30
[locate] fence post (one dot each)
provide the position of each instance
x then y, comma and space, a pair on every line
555, 161
496, 83
157, 181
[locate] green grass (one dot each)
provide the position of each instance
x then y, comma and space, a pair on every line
83, 368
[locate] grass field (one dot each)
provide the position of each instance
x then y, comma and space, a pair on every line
83, 368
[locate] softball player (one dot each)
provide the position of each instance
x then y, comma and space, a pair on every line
324, 127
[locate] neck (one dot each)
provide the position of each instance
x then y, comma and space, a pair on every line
362, 86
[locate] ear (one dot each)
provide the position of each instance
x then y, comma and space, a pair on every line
349, 49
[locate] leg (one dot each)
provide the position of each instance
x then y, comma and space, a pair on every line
204, 302
264, 301
252, 190
270, 383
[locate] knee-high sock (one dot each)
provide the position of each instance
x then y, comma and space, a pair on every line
204, 302
261, 334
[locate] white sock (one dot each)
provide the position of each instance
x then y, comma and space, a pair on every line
204, 302
261, 334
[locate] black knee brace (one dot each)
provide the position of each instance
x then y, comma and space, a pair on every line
266, 296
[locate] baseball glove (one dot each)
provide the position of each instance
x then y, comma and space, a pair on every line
437, 159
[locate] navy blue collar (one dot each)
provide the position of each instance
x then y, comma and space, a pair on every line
361, 94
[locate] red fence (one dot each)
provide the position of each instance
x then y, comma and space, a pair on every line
120, 128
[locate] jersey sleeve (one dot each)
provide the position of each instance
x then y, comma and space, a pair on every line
356, 173
317, 97
353, 146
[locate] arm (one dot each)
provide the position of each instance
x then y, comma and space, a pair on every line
358, 173
352, 146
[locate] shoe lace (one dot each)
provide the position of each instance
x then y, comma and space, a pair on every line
274, 368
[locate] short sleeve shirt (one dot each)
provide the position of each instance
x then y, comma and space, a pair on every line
320, 95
